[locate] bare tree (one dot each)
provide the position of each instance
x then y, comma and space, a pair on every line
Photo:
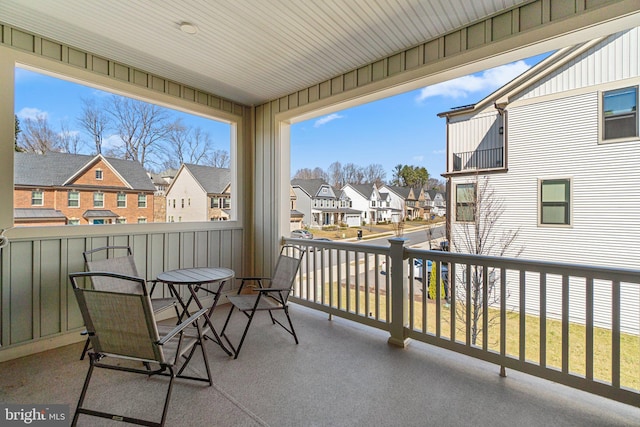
186, 145
353, 174
219, 159
37, 136
478, 211
307, 173
375, 173
141, 127
336, 175
69, 140
435, 184
95, 120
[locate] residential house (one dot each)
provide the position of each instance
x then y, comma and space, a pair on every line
199, 193
296, 217
366, 199
61, 188
323, 205
396, 199
435, 203
570, 127
410, 200
162, 180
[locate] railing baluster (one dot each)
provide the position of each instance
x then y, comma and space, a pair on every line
543, 320
615, 333
565, 323
589, 330
523, 317
485, 307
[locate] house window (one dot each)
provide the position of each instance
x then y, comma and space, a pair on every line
73, 199
555, 196
465, 202
73, 222
37, 198
142, 200
214, 202
227, 203
174, 203
121, 220
98, 200
122, 200
620, 113
142, 220
99, 174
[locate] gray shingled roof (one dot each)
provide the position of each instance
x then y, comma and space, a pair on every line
54, 169
213, 180
37, 213
365, 189
311, 186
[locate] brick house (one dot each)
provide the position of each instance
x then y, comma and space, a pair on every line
61, 188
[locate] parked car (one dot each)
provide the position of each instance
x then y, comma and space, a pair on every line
301, 234
418, 270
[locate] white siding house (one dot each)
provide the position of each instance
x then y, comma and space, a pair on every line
366, 199
569, 175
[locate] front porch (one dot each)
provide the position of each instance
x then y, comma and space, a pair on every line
341, 373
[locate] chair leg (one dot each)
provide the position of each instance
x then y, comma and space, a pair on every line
293, 331
244, 334
84, 391
85, 349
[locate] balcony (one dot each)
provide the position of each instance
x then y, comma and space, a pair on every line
578, 366
490, 158
341, 374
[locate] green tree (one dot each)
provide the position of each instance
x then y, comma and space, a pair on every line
410, 176
17, 132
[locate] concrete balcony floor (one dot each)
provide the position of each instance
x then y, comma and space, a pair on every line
341, 374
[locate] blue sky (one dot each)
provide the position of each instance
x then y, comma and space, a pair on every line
403, 129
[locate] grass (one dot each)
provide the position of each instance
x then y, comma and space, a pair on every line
352, 232
602, 355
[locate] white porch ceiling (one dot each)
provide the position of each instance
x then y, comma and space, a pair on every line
249, 51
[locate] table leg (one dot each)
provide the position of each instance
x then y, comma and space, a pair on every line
207, 315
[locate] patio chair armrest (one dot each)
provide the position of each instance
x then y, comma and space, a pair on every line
182, 325
266, 290
251, 279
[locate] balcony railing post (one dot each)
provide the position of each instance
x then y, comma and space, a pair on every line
399, 294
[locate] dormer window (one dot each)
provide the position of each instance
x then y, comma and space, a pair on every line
99, 174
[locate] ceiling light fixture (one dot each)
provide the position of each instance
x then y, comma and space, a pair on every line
188, 28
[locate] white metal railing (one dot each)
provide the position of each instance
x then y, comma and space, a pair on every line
572, 324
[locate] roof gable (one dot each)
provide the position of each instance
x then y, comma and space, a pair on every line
59, 169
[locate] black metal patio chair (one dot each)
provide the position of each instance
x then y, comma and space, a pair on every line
269, 295
119, 260
122, 327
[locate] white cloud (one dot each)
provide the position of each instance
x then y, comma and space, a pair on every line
111, 142
31, 113
439, 151
326, 119
487, 81
418, 158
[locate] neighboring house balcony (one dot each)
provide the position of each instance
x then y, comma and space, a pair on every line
559, 368
490, 158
